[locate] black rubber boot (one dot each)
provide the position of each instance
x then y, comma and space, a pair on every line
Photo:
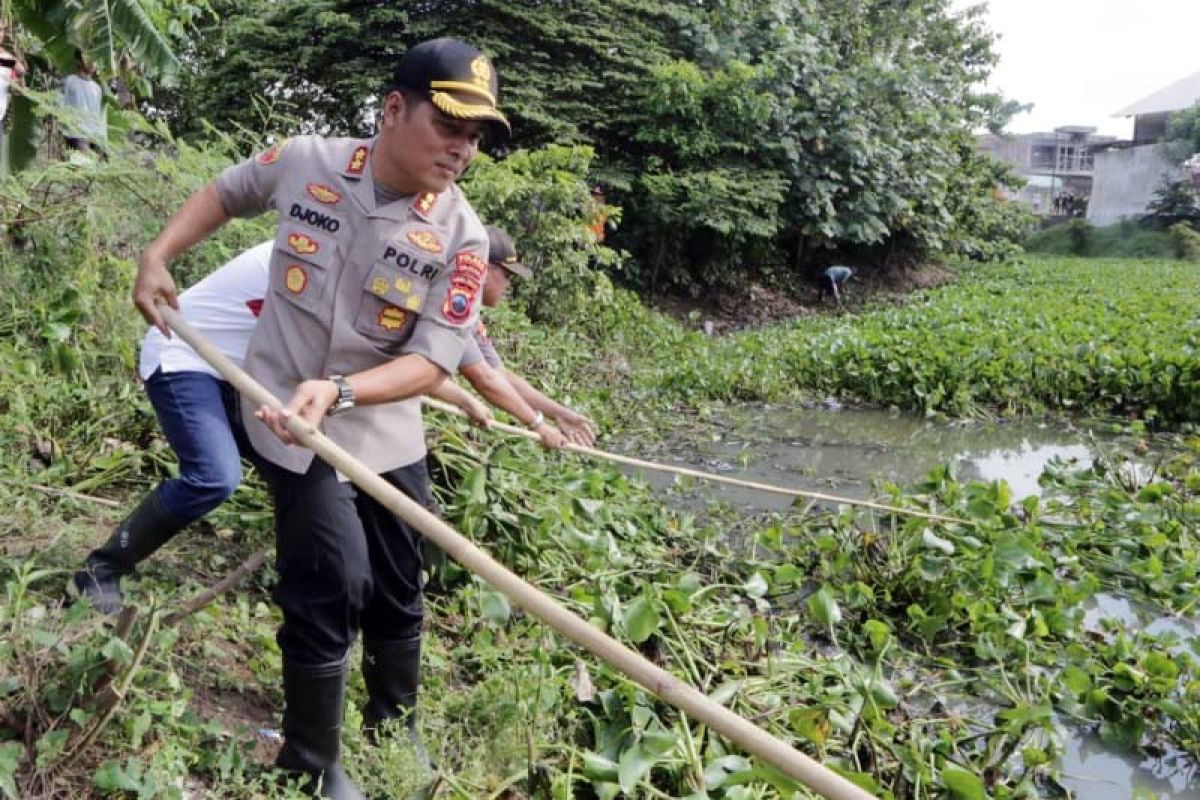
392, 672
148, 528
312, 725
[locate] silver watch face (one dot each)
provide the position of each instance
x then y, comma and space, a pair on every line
345, 396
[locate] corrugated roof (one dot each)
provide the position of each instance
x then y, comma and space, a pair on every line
1179, 95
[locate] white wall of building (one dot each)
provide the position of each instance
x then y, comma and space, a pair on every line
1124, 182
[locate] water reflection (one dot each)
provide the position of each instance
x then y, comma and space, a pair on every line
1134, 617
1092, 770
845, 451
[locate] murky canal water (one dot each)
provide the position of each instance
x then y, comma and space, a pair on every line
844, 451
848, 451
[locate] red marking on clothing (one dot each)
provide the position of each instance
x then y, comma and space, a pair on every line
424, 203
469, 269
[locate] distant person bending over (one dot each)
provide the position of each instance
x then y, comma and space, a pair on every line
88, 129
834, 280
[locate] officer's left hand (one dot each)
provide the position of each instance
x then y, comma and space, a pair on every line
310, 402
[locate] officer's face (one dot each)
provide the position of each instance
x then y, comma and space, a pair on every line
495, 285
423, 149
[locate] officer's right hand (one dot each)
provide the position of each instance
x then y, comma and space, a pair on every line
153, 283
551, 436
310, 402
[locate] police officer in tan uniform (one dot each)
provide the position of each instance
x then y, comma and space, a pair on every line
374, 286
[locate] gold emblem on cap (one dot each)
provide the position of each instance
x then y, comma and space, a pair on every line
482, 71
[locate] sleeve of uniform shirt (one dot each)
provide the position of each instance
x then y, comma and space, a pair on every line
442, 331
487, 350
471, 354
248, 189
480, 348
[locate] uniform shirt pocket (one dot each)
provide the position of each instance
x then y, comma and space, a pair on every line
300, 270
392, 301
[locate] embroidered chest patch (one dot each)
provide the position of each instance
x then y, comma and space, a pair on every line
324, 194
426, 240
392, 318
302, 245
295, 279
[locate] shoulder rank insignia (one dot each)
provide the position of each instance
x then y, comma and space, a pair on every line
271, 155
323, 194
302, 245
424, 203
358, 160
426, 240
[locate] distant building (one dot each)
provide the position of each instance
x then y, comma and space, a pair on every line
1056, 164
1127, 173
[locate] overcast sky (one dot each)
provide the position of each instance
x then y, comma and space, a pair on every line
1080, 61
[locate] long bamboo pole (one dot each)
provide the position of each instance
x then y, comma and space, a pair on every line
707, 476
670, 689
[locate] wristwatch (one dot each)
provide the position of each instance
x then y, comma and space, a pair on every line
345, 396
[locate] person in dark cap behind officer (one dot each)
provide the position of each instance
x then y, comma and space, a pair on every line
375, 279
481, 355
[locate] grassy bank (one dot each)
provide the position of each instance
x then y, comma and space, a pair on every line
859, 639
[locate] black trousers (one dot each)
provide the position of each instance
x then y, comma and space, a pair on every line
345, 562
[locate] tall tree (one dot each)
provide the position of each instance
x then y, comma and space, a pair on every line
565, 68
739, 135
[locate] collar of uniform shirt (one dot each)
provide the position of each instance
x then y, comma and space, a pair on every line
384, 194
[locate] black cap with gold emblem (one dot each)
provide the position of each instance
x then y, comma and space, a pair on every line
456, 77
503, 251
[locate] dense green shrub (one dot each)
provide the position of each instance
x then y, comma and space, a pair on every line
1080, 234
1186, 240
1176, 200
542, 198
1128, 239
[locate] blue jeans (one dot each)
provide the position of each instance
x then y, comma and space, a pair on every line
200, 417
